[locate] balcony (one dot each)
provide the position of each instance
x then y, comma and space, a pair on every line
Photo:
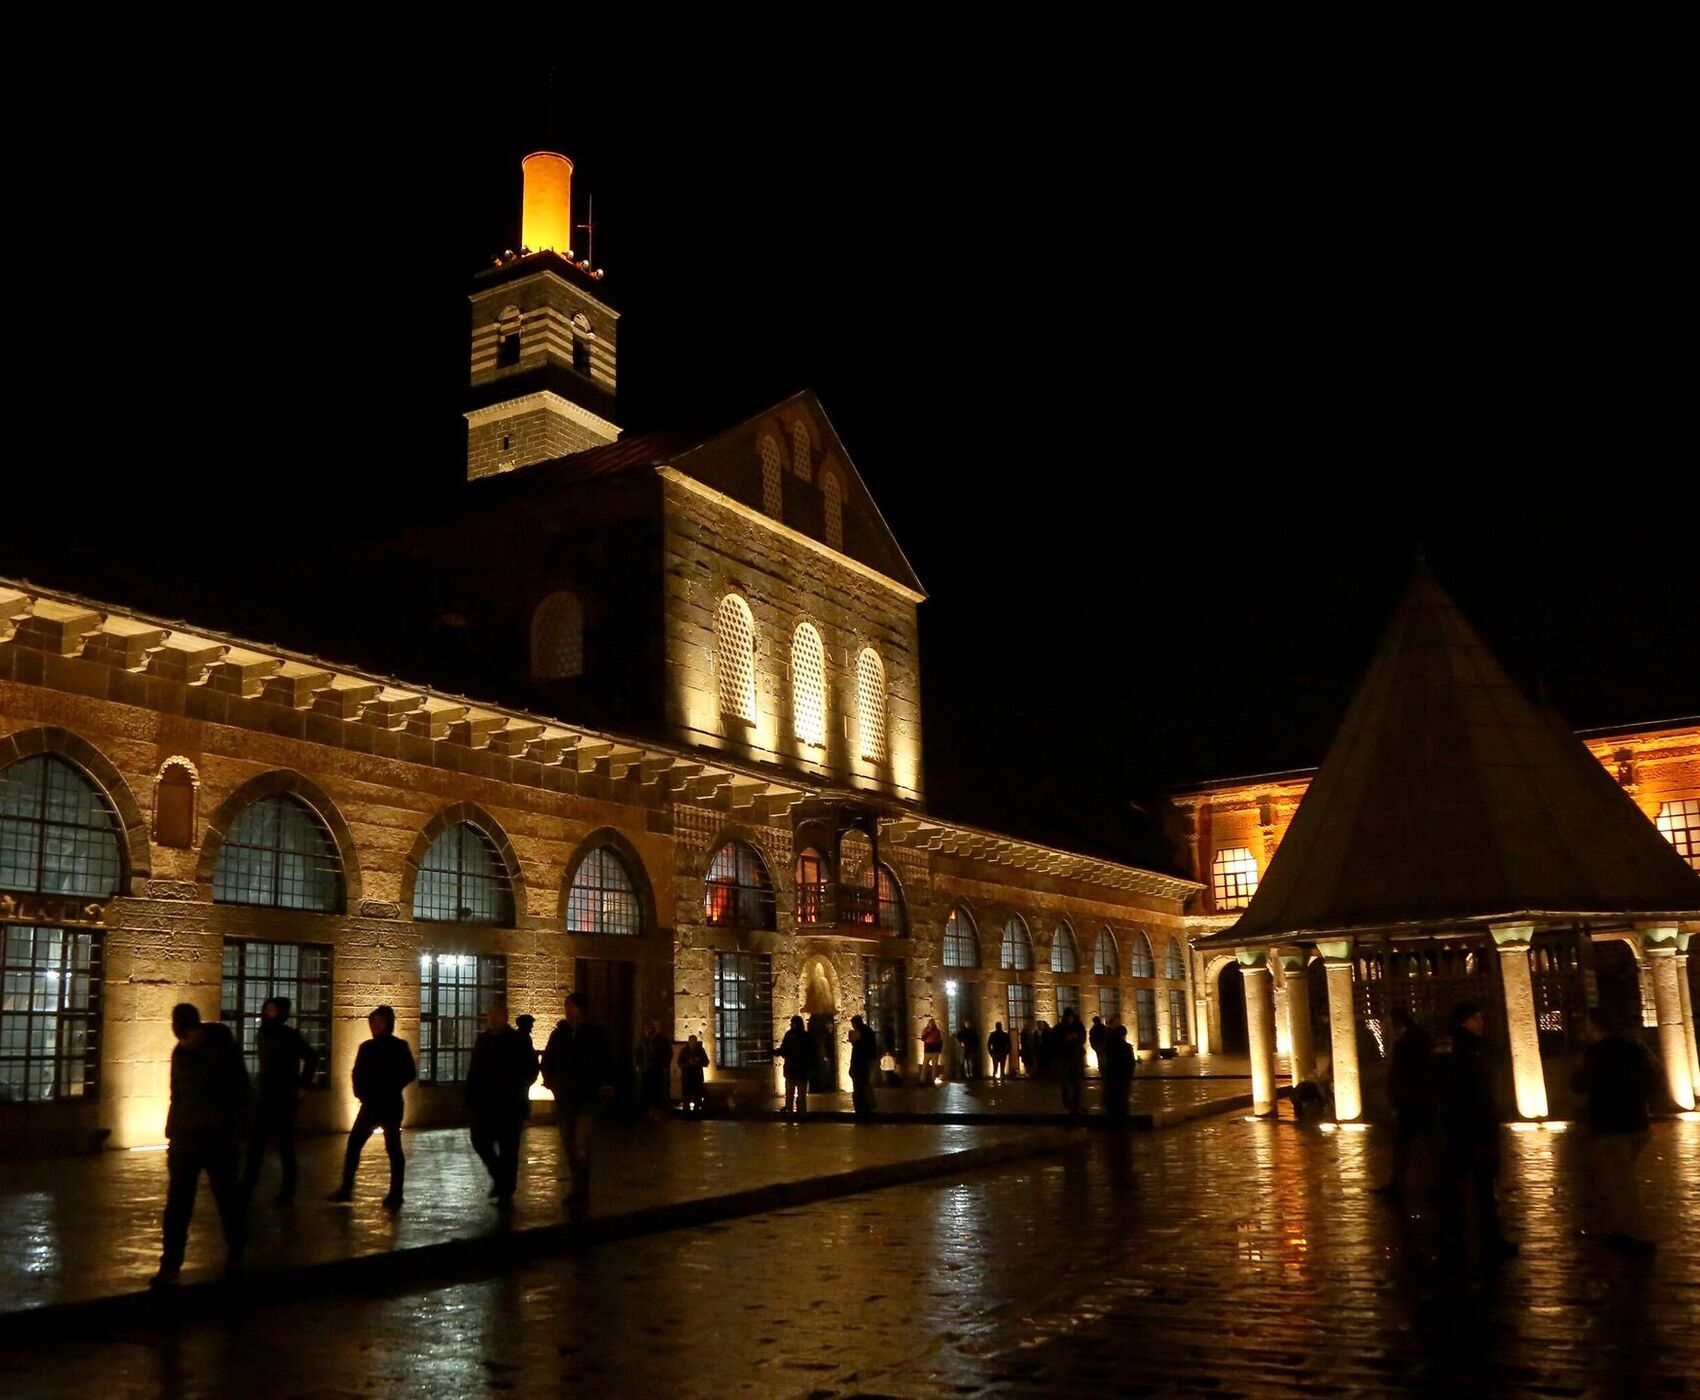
850, 911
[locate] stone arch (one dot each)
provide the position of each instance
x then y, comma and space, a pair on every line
74, 749
617, 841
281, 781
817, 986
454, 815
1214, 968
751, 837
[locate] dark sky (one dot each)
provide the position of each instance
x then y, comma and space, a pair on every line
1162, 388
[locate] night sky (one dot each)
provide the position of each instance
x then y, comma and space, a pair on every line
1163, 394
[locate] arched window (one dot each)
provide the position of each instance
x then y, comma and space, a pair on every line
57, 833
735, 651
174, 805
1105, 963
461, 880
602, 897
832, 496
507, 337
772, 478
1065, 952
814, 886
800, 451
738, 892
892, 916
1144, 965
1017, 946
870, 705
1679, 823
961, 942
557, 638
278, 854
1174, 964
808, 686
1233, 877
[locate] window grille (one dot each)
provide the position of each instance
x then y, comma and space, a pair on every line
461, 880
1018, 1008
738, 892
832, 495
1180, 1031
735, 646
255, 972
800, 452
870, 705
1144, 965
743, 1009
557, 638
1068, 999
808, 686
1233, 876
1065, 952
602, 897
772, 478
1017, 953
892, 916
279, 855
455, 990
1174, 964
1105, 963
961, 942
1145, 1013
1109, 1003
57, 834
49, 1013
1679, 822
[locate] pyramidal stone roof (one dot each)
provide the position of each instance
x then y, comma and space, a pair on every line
1447, 798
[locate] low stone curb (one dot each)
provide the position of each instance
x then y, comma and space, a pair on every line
1137, 1122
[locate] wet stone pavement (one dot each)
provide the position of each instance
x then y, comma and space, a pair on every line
1222, 1259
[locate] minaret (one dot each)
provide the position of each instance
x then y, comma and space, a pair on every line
543, 339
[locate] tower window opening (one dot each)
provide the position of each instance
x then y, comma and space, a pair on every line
581, 355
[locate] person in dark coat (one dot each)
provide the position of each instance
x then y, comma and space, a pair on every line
797, 1051
968, 1041
693, 1060
383, 1067
1095, 1038
1070, 1041
1617, 1076
287, 1066
1024, 1041
578, 1069
500, 1073
864, 1058
524, 1025
1410, 1088
1116, 1064
657, 1070
204, 1126
1470, 1121
1043, 1050
997, 1046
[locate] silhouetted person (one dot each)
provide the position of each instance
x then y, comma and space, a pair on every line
1095, 1038
1043, 1049
383, 1067
578, 1069
1070, 1039
657, 1068
1024, 1041
287, 1066
1617, 1076
932, 1045
864, 1059
997, 1046
204, 1125
968, 1041
498, 1077
1470, 1120
1410, 1088
693, 1060
524, 1025
797, 1052
1116, 1064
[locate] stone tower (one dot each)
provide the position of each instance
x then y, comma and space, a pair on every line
543, 339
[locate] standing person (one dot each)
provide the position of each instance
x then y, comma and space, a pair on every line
864, 1056
524, 1024
1410, 1087
287, 1066
1070, 1038
501, 1070
1024, 1049
1470, 1119
383, 1067
657, 1068
1095, 1038
997, 1046
1116, 1063
1042, 1049
932, 1044
693, 1060
1618, 1078
968, 1039
797, 1051
204, 1125
578, 1068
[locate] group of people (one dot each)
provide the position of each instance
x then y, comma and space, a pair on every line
1049, 1051
800, 1063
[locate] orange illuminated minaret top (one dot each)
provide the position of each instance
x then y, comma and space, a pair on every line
546, 218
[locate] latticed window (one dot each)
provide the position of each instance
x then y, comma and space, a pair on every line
49, 1013
870, 705
961, 942
814, 889
1143, 964
1105, 963
1065, 952
278, 854
1017, 953
1018, 1004
461, 880
57, 835
743, 1009
892, 917
832, 496
1680, 823
738, 892
1233, 877
1174, 965
1068, 999
801, 454
735, 653
455, 990
1145, 1015
1180, 1032
808, 686
772, 478
255, 972
1109, 1003
602, 897
557, 638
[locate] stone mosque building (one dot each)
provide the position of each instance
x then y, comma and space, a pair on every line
656, 736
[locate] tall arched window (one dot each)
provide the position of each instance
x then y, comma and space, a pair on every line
1017, 946
602, 896
174, 804
1105, 963
832, 497
1065, 952
808, 686
1144, 965
279, 854
800, 451
738, 892
814, 886
57, 834
507, 337
961, 941
870, 705
1174, 964
772, 478
461, 880
1233, 877
893, 917
557, 638
735, 654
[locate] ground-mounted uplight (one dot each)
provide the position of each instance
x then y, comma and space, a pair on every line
1691, 1115
1542, 1125
151, 1147
1328, 1127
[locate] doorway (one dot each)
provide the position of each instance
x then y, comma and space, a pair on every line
612, 989
1230, 1010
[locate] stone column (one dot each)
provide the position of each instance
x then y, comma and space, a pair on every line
1660, 941
1512, 941
1343, 1028
1260, 1027
1688, 1027
1299, 1035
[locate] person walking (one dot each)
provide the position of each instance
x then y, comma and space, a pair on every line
997, 1046
287, 1066
383, 1067
203, 1127
657, 1068
501, 1071
797, 1051
693, 1060
1116, 1063
864, 1056
1617, 1076
932, 1045
1410, 1088
1470, 1119
968, 1041
578, 1069
1070, 1038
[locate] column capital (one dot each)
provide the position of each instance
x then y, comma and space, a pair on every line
1252, 959
1335, 951
1292, 959
1659, 937
1512, 938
